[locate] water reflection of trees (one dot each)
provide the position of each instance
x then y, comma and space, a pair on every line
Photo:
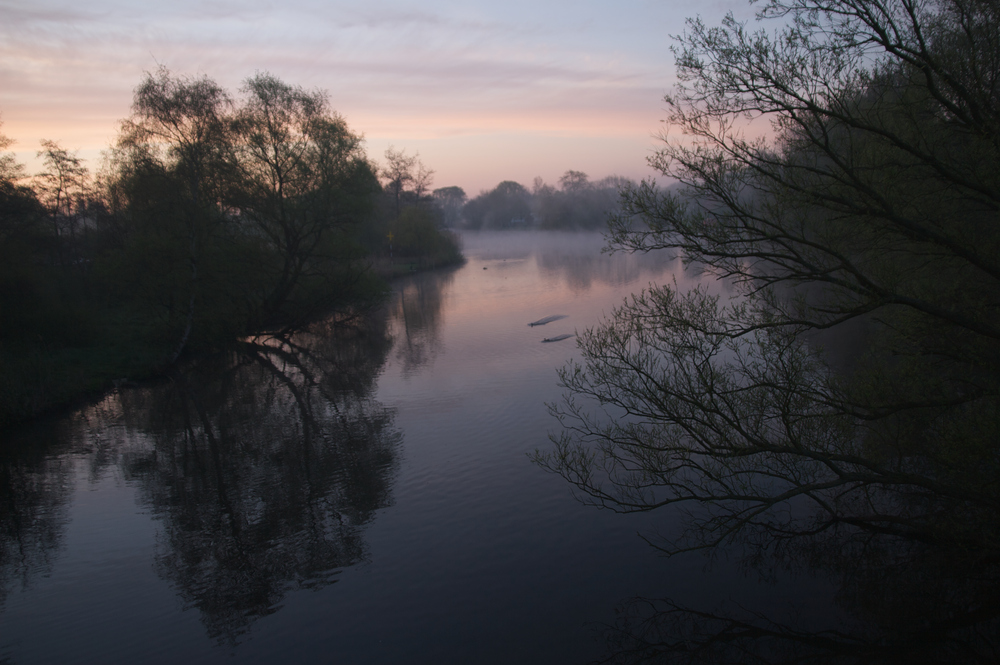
901, 602
577, 260
34, 494
263, 466
574, 258
580, 271
416, 311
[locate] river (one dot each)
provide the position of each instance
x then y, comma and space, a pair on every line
345, 498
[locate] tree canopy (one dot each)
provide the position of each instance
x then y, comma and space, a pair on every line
210, 186
578, 203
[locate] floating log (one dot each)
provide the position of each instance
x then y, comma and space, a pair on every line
558, 338
547, 319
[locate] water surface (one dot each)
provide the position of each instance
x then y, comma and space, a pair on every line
345, 497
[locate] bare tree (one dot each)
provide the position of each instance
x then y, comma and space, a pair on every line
403, 173
63, 180
870, 211
10, 170
63, 186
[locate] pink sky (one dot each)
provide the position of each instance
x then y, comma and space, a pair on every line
483, 92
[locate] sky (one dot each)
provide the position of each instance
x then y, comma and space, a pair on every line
483, 91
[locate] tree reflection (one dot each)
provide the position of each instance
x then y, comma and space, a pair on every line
933, 607
580, 270
35, 486
263, 466
898, 599
575, 259
416, 311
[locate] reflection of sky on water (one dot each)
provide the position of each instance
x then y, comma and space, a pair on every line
481, 311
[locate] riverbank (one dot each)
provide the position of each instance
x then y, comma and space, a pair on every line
38, 379
392, 268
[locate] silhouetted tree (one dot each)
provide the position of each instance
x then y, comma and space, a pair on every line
305, 184
404, 174
176, 146
32, 306
497, 208
868, 217
262, 198
450, 200
63, 187
843, 403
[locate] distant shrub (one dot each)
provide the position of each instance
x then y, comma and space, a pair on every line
416, 234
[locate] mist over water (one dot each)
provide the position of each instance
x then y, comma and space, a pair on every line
347, 495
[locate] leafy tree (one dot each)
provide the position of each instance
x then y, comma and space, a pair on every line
304, 183
168, 174
416, 234
578, 203
495, 209
574, 181
212, 218
848, 393
261, 198
450, 200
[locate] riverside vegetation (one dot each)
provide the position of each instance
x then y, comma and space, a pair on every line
212, 218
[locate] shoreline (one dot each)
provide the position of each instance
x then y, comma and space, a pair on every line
38, 382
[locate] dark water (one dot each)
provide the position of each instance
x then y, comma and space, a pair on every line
346, 498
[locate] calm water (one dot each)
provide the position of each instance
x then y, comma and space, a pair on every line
346, 499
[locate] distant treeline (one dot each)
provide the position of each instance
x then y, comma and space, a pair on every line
212, 217
577, 203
